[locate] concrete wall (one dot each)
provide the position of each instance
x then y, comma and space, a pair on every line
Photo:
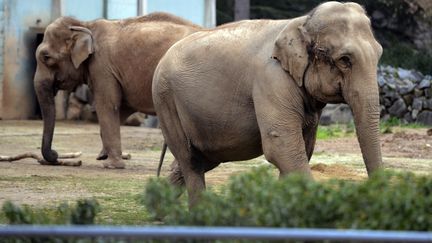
18, 98
1, 53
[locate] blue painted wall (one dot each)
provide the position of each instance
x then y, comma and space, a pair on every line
83, 9
18, 98
120, 9
192, 10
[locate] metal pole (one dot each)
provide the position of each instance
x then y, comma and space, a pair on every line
211, 233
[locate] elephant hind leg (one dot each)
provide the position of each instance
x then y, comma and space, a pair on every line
176, 177
186, 172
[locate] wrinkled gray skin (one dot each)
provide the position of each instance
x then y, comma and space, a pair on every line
116, 59
259, 86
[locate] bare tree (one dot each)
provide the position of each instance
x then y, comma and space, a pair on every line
241, 9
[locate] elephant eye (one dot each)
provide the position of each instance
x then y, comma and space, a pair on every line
46, 58
344, 62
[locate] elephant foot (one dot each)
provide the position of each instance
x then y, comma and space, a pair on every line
114, 165
102, 155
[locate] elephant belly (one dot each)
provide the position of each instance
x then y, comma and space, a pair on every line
224, 137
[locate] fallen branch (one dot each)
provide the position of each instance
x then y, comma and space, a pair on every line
41, 161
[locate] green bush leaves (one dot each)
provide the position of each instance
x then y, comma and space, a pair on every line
388, 201
84, 212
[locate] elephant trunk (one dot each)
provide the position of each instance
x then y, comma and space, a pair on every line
45, 94
364, 103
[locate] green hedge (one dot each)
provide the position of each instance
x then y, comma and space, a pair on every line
388, 201
83, 212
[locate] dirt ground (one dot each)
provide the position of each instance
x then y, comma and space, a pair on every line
405, 149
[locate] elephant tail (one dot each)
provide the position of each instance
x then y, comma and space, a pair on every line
164, 148
176, 176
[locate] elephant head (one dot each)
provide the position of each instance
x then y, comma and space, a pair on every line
61, 57
333, 55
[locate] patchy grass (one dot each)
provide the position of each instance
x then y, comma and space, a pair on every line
335, 131
387, 126
118, 198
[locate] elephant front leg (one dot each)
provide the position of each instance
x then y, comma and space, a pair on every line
103, 154
280, 119
107, 108
310, 132
110, 128
286, 149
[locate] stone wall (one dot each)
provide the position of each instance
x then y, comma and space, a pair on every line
405, 94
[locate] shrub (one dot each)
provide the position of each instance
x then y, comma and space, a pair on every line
388, 201
84, 212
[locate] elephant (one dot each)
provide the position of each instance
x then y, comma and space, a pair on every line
258, 87
116, 58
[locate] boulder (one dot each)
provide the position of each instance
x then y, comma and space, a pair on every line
427, 104
336, 113
425, 118
398, 108
418, 103
425, 83
136, 119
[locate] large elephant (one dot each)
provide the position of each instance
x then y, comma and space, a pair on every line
259, 86
115, 58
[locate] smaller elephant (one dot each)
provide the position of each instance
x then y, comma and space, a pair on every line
262, 87
116, 58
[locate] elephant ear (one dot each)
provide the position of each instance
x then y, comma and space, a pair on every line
83, 45
291, 49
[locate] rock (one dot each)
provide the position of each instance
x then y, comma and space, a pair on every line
387, 102
414, 114
418, 76
405, 74
136, 119
425, 118
405, 87
417, 103
383, 110
385, 117
151, 121
392, 95
82, 93
88, 113
427, 104
428, 92
418, 92
407, 118
381, 81
398, 108
74, 109
425, 83
391, 85
336, 113
408, 99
